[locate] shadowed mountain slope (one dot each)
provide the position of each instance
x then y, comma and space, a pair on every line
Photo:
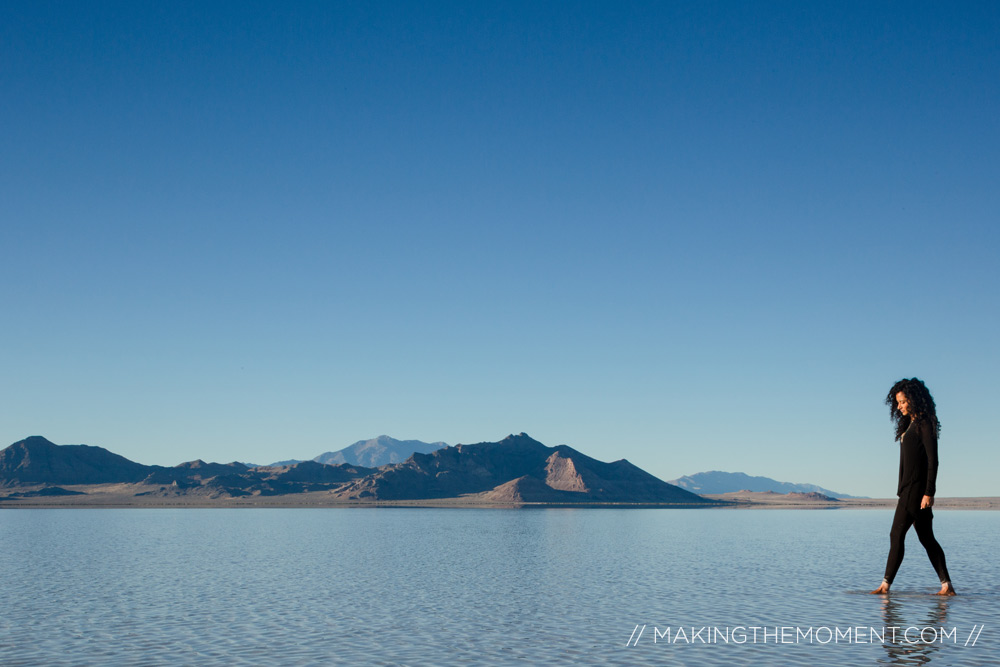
35, 460
232, 480
193, 471
316, 473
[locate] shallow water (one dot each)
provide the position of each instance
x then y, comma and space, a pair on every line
423, 586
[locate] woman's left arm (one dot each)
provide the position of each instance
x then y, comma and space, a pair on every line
928, 434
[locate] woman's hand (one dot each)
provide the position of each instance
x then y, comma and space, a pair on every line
927, 501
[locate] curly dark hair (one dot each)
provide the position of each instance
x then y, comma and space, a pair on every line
921, 405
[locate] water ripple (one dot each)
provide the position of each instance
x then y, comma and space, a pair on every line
404, 586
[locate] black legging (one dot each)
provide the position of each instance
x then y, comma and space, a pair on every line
908, 513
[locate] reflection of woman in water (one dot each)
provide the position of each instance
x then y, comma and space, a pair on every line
917, 427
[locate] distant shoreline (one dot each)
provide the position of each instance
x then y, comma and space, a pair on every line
747, 501
123, 496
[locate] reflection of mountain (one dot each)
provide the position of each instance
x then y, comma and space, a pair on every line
379, 451
717, 482
517, 469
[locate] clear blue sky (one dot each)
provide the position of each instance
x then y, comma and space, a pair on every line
699, 236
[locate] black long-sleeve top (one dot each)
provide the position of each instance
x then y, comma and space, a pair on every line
918, 457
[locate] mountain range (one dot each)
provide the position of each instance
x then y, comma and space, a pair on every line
717, 482
36, 461
517, 469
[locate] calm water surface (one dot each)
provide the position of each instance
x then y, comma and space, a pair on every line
475, 586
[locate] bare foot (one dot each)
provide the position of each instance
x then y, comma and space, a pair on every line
946, 589
883, 589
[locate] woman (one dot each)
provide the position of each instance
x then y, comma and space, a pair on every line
917, 427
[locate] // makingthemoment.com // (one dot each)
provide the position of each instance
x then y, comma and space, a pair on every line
791, 634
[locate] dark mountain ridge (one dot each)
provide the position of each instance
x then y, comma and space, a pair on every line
35, 460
